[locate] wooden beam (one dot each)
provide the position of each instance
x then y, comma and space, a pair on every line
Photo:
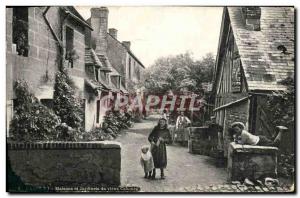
231, 103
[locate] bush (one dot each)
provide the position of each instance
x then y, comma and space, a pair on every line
97, 134
32, 120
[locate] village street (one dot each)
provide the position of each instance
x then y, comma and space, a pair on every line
183, 169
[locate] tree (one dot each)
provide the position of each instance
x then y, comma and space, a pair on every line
66, 105
32, 120
177, 72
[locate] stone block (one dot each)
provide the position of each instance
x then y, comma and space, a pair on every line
253, 162
198, 140
33, 51
72, 164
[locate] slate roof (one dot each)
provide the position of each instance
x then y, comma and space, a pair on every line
91, 58
95, 85
104, 62
264, 62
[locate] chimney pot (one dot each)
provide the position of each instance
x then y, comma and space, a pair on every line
99, 12
113, 32
127, 44
251, 15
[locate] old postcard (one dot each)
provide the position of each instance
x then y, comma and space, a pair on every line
163, 99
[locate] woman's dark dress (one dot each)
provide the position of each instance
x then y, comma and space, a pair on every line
159, 153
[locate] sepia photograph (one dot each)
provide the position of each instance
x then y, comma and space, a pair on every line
150, 99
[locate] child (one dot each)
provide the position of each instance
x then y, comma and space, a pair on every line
244, 137
147, 161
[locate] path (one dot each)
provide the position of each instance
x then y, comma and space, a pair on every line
184, 169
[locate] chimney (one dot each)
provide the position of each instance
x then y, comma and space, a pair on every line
251, 15
113, 32
127, 44
99, 20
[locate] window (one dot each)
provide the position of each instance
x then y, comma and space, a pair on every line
98, 111
97, 74
129, 68
47, 102
20, 30
103, 76
70, 45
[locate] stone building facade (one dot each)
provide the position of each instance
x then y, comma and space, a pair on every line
250, 64
37, 42
41, 39
110, 64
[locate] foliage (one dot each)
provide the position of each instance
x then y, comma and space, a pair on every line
66, 105
282, 104
32, 120
113, 123
97, 134
177, 72
20, 36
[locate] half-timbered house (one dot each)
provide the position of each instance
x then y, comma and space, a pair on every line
255, 53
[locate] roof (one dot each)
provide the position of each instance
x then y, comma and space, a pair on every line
114, 72
91, 58
128, 50
104, 62
264, 62
94, 84
75, 14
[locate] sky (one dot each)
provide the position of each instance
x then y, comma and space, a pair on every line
162, 31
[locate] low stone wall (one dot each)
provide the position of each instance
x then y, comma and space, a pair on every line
66, 164
253, 162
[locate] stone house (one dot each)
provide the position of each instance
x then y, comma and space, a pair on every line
255, 53
110, 65
124, 60
38, 41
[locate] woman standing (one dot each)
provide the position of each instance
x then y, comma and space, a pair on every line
182, 123
158, 138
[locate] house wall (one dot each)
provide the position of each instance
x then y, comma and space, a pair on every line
43, 52
116, 54
136, 69
231, 87
119, 58
78, 71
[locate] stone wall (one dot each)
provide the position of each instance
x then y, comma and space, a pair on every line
41, 56
66, 164
252, 162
